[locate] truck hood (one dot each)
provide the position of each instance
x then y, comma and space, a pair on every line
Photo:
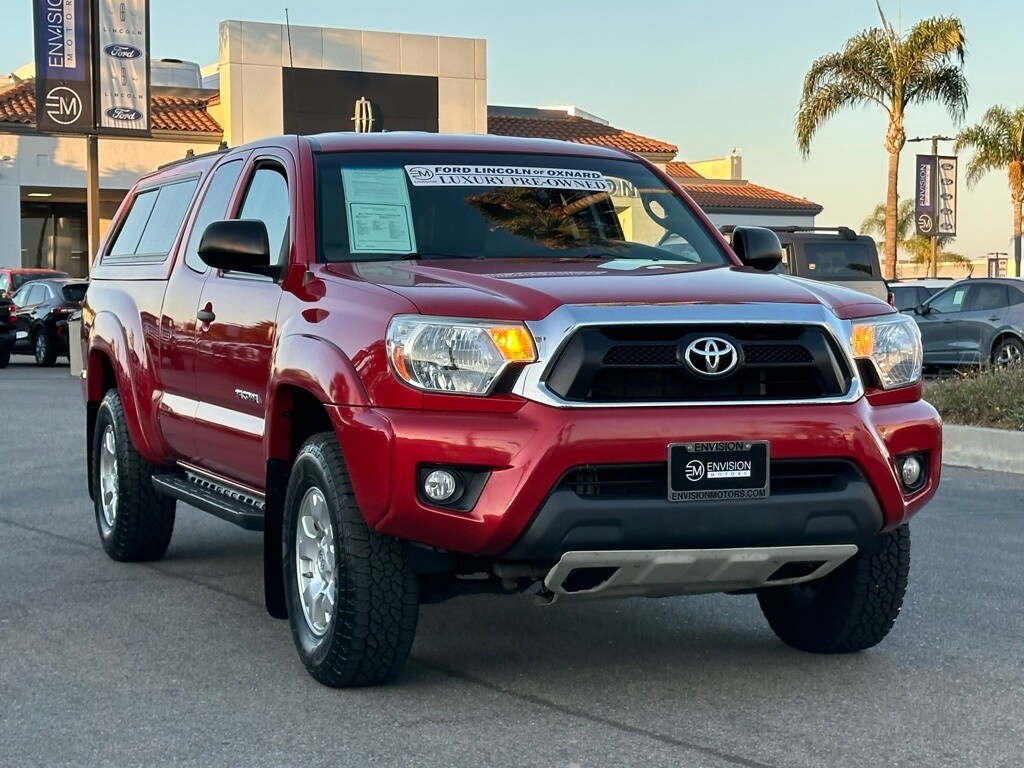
530, 289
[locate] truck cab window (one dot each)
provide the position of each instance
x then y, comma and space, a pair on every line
213, 208
266, 200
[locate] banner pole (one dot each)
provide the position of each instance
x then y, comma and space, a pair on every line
933, 270
92, 194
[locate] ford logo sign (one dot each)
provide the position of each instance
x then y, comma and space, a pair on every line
124, 114
122, 51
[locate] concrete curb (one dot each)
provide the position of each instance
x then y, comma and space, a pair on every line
997, 450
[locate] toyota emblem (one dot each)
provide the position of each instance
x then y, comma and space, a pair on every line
711, 356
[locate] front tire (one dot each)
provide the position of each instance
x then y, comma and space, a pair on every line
134, 521
352, 598
851, 609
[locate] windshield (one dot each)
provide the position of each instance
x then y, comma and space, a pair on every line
392, 205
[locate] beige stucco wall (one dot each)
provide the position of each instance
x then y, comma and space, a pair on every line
42, 162
252, 56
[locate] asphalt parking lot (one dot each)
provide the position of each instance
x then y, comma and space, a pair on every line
177, 662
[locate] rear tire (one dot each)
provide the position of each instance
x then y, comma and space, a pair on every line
134, 521
1008, 352
851, 609
352, 598
5, 358
44, 348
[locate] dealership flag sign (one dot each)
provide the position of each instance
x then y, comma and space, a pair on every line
122, 73
64, 102
92, 66
935, 192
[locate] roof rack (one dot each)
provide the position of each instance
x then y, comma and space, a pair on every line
846, 232
190, 155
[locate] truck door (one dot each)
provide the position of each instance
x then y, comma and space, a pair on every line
178, 321
237, 323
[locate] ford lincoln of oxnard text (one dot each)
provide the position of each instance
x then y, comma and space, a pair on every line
425, 366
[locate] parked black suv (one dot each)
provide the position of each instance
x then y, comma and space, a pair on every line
835, 255
42, 310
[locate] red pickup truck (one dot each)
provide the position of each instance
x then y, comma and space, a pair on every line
426, 366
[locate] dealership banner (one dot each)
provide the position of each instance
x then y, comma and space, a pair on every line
63, 33
122, 76
945, 197
925, 212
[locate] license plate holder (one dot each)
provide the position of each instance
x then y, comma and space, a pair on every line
730, 470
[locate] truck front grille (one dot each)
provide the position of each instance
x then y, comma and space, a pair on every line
640, 363
650, 481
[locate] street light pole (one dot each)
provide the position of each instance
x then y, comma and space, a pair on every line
933, 266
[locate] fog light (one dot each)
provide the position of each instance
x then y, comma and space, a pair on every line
440, 485
911, 472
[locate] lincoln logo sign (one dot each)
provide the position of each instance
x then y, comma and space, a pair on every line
363, 117
124, 114
122, 51
710, 356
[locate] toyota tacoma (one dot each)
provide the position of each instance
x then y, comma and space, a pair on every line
425, 366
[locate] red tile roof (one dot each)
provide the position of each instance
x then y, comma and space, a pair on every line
748, 196
169, 113
578, 130
681, 170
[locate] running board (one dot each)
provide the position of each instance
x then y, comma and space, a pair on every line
666, 572
243, 509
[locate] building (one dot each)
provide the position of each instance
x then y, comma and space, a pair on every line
717, 185
271, 79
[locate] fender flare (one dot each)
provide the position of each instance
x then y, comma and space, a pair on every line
109, 338
317, 366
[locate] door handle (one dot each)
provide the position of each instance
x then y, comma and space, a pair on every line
995, 317
206, 315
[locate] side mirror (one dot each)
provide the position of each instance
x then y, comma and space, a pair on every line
921, 309
757, 247
238, 245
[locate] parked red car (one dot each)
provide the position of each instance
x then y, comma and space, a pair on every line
432, 365
12, 278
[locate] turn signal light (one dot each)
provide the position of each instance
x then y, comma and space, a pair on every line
514, 343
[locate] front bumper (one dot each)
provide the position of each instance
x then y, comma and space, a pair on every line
529, 451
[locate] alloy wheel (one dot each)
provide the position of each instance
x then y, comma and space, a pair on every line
316, 562
108, 480
1009, 354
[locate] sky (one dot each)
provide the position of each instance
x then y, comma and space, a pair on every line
707, 76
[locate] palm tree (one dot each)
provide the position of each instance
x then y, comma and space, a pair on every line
998, 142
893, 71
874, 224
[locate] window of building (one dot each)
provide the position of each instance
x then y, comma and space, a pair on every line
213, 208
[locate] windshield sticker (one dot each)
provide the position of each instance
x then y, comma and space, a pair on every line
506, 176
378, 211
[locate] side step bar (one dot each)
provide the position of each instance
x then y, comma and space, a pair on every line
227, 503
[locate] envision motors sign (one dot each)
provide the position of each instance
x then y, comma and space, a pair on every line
92, 66
935, 195
63, 66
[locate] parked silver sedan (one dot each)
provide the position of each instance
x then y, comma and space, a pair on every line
974, 322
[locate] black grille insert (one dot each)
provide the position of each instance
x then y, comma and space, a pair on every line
650, 481
638, 363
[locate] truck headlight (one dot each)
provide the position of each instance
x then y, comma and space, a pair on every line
893, 345
439, 354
